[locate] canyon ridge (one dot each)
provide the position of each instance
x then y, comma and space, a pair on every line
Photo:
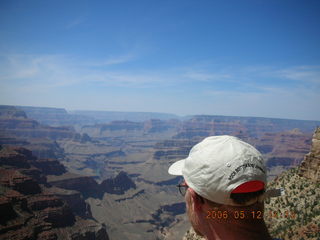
103, 175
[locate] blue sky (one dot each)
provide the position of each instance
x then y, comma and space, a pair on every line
239, 58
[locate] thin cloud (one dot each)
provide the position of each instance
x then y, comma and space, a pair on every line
60, 70
205, 77
301, 73
228, 91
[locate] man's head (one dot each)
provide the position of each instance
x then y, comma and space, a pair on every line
222, 175
224, 170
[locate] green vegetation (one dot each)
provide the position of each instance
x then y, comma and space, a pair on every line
296, 215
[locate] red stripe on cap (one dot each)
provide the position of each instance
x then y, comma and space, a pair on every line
252, 186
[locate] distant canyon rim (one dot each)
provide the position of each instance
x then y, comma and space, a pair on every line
114, 165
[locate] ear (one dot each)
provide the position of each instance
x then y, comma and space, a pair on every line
197, 203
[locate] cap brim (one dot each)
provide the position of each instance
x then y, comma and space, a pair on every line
176, 168
251, 186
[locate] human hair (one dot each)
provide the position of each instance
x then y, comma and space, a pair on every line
243, 198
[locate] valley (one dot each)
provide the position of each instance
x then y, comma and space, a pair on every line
119, 166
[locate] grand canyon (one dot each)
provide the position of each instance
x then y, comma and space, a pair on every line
103, 175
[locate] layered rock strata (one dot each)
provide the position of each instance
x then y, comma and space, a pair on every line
31, 209
118, 185
13, 122
310, 166
86, 185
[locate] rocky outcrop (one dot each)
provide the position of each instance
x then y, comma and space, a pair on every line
30, 209
109, 116
50, 166
35, 174
15, 180
283, 148
82, 138
125, 128
122, 125
199, 127
310, 167
6, 210
112, 154
15, 157
74, 199
27, 216
76, 203
22, 158
158, 126
203, 126
55, 116
192, 235
295, 215
40, 202
44, 148
118, 185
40, 148
172, 149
60, 117
255, 126
86, 185
13, 122
11, 112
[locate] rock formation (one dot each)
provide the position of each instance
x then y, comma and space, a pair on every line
13, 179
118, 185
55, 116
172, 149
283, 148
13, 122
86, 185
50, 166
31, 209
139, 207
310, 167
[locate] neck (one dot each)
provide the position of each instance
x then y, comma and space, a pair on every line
240, 223
232, 231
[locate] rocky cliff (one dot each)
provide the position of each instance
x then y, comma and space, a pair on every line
118, 185
283, 148
255, 126
31, 209
11, 112
55, 116
84, 184
310, 167
14, 122
172, 149
89, 187
296, 215
129, 128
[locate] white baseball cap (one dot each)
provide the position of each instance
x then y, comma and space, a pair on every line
221, 165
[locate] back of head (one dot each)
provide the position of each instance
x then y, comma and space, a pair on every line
223, 168
226, 181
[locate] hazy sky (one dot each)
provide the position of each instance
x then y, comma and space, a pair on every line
239, 58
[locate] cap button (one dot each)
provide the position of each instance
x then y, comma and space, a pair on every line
228, 165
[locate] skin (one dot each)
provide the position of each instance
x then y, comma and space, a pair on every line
228, 228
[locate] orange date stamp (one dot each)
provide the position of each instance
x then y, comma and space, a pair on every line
216, 214
235, 215
280, 214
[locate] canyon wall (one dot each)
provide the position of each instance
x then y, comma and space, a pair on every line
31, 208
310, 166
